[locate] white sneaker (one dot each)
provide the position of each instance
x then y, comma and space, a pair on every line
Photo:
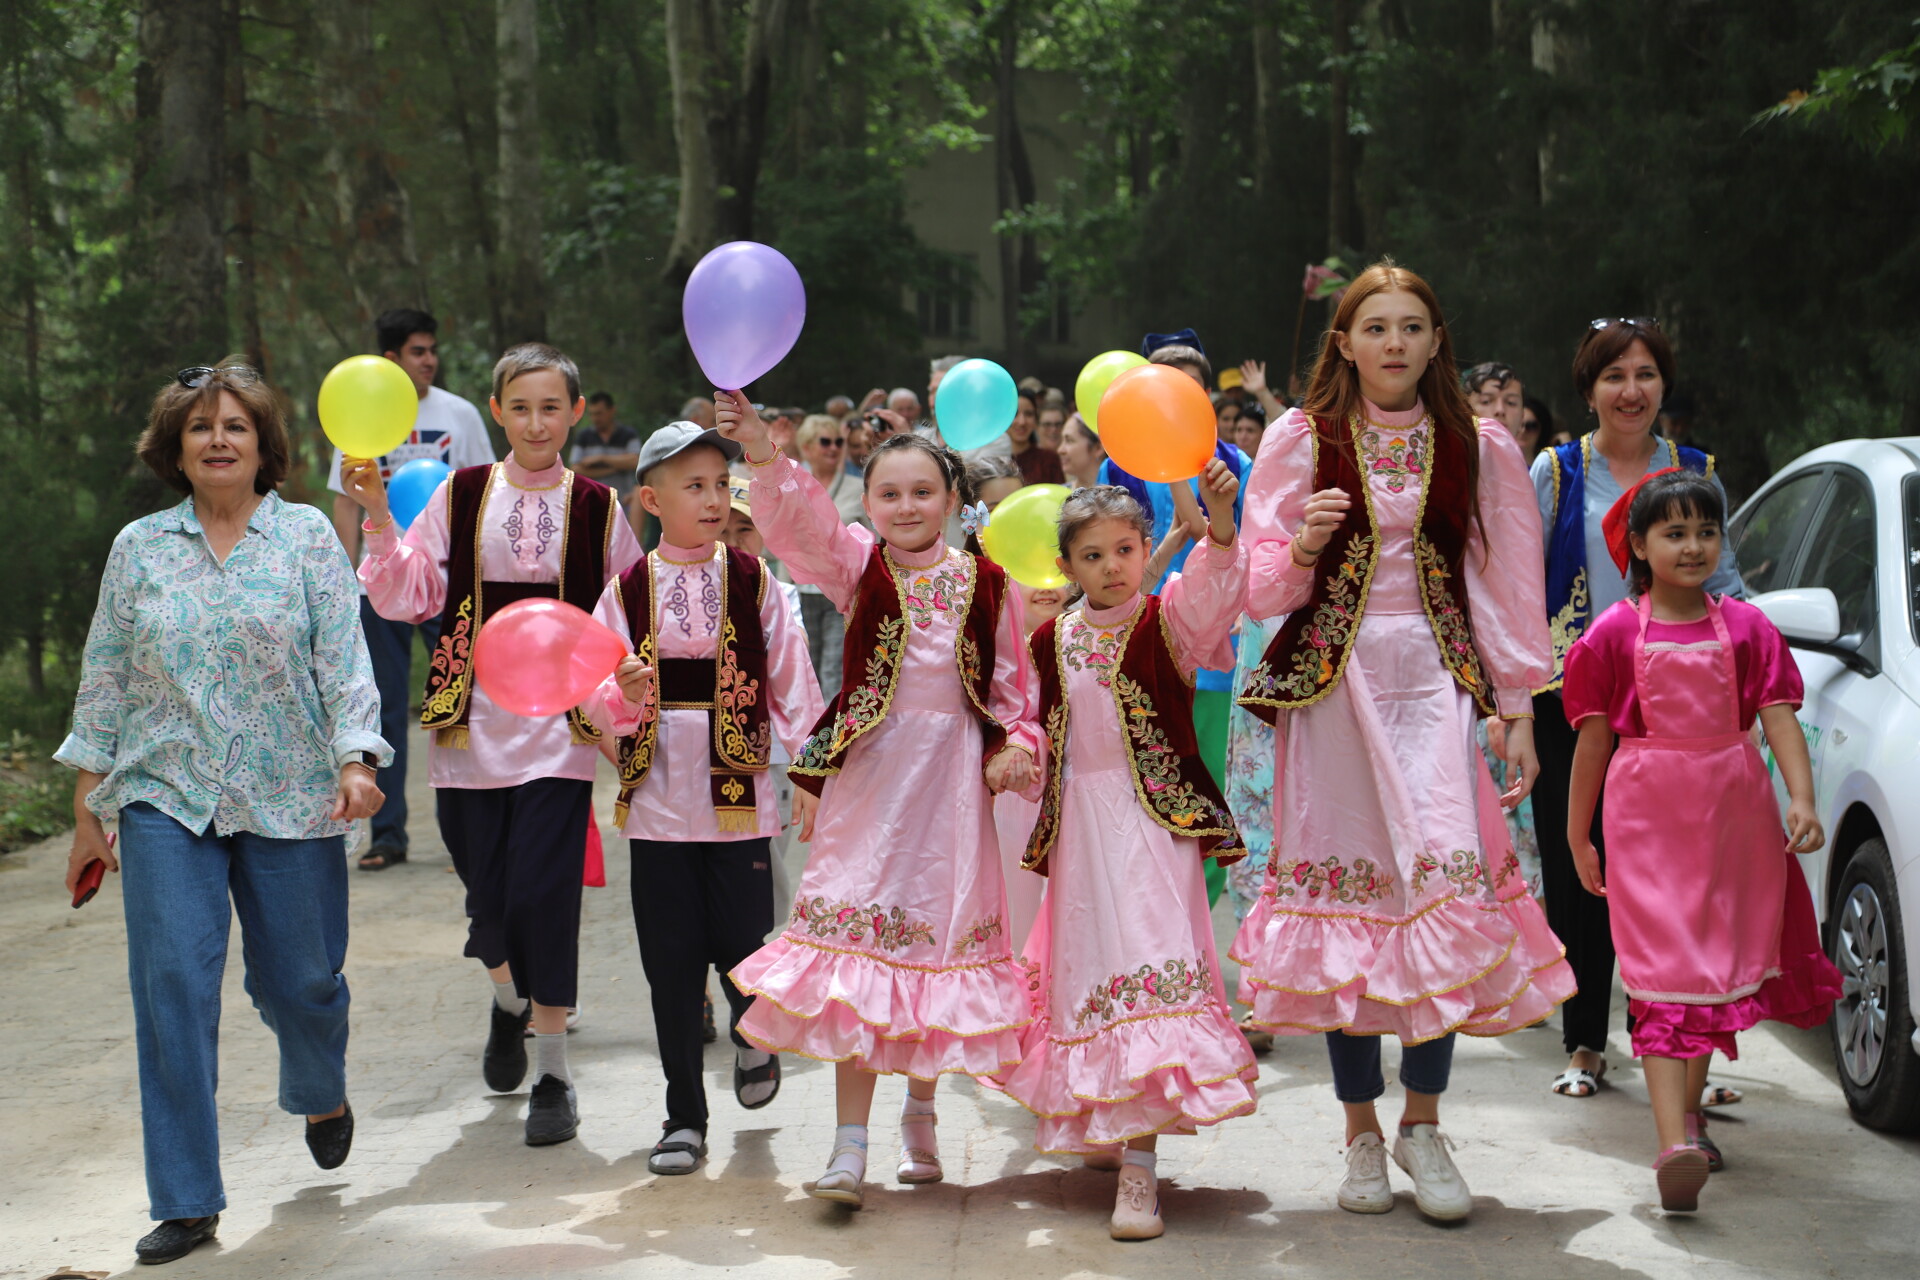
1438, 1189
1365, 1188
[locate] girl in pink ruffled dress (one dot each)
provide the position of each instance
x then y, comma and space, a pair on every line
1401, 539
1013, 814
1710, 912
1132, 1037
896, 956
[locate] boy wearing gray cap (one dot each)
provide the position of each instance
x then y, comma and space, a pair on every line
719, 668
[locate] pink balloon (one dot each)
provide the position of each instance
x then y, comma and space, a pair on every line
743, 309
543, 657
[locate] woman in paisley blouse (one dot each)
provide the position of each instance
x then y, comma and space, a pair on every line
227, 718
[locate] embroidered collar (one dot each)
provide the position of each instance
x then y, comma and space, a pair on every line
520, 478
670, 554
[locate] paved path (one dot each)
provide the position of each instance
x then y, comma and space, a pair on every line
440, 1184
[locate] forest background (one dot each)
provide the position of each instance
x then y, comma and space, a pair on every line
180, 179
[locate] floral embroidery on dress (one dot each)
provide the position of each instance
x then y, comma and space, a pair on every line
733, 693
1461, 868
1333, 879
866, 704
1176, 982
543, 528
888, 928
1448, 620
1331, 626
1158, 766
1086, 647
679, 601
1566, 626
449, 662
940, 588
977, 935
1396, 455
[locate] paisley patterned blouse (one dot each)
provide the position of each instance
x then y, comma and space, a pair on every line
226, 694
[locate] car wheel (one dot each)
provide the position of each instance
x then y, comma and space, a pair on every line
1872, 1023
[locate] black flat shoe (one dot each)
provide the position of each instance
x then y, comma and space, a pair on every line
553, 1112
505, 1062
175, 1238
330, 1140
382, 856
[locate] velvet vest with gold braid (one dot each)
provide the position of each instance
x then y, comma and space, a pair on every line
1309, 655
586, 533
1153, 698
876, 646
731, 687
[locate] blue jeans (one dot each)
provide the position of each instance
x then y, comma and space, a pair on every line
292, 900
1424, 1068
390, 645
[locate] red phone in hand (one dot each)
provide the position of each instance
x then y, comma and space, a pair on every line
90, 877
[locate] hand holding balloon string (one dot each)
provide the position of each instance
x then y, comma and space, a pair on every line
734, 418
360, 477
1218, 487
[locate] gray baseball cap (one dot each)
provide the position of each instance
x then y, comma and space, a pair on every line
676, 437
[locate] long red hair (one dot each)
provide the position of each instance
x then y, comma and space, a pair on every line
1333, 392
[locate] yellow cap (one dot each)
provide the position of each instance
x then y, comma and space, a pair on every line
741, 503
1230, 378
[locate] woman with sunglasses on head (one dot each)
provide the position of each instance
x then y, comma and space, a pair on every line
227, 718
1623, 369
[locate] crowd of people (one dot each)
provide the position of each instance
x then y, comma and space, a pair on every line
1326, 675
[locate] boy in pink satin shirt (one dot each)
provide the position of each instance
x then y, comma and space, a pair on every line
719, 669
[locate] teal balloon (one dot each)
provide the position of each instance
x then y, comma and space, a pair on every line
412, 487
975, 403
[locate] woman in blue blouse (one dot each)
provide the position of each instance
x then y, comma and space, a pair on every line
227, 717
1623, 370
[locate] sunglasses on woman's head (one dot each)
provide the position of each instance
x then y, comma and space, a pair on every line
200, 375
1638, 322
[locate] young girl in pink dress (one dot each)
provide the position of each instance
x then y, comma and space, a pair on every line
1400, 537
896, 956
1132, 1037
1711, 916
1013, 814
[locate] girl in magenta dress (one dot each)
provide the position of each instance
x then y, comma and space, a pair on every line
896, 957
1132, 1037
1397, 534
1711, 916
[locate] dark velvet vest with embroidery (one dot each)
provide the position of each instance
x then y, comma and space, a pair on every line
1154, 700
877, 644
731, 688
1309, 655
588, 512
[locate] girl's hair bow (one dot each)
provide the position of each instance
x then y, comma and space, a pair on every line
974, 519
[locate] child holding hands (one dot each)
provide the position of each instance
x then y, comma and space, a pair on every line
1710, 912
896, 956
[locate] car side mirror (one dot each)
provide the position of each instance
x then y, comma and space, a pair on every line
1810, 615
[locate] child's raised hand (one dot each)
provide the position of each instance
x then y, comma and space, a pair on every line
735, 419
1218, 488
1586, 864
1804, 833
636, 680
805, 806
360, 477
1011, 770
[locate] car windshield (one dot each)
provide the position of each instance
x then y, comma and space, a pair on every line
1912, 504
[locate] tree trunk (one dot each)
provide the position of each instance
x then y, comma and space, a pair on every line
181, 118
476, 174
374, 215
1339, 138
523, 310
1014, 190
240, 196
1266, 71
36, 655
1508, 56
693, 69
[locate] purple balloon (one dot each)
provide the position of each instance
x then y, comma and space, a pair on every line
743, 310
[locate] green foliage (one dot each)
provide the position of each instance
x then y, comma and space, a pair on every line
1874, 105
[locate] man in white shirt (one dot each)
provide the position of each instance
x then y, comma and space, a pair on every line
447, 429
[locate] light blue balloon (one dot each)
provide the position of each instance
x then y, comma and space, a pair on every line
412, 487
975, 403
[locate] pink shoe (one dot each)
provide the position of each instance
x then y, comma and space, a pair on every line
1680, 1172
1697, 1137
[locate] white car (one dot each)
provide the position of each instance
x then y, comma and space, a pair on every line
1830, 551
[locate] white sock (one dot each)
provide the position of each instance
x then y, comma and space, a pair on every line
509, 1002
550, 1057
681, 1159
1144, 1159
850, 1135
747, 1060
916, 1107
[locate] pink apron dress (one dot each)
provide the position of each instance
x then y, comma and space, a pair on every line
1699, 883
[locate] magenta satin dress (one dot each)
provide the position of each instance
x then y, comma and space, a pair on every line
1711, 917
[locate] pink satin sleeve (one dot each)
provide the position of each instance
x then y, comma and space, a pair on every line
1770, 678
1202, 603
406, 580
803, 529
1597, 666
607, 707
1277, 491
795, 704
1507, 591
1014, 695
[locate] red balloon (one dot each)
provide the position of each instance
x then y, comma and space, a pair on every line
1157, 423
543, 657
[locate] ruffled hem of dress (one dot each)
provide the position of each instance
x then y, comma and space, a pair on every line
1802, 996
842, 1005
1454, 966
1161, 1073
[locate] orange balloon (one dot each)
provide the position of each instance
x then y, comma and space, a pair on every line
1157, 423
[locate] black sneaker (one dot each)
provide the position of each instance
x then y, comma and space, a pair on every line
330, 1140
553, 1112
175, 1238
505, 1062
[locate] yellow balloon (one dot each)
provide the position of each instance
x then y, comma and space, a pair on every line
367, 406
1094, 380
1023, 536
